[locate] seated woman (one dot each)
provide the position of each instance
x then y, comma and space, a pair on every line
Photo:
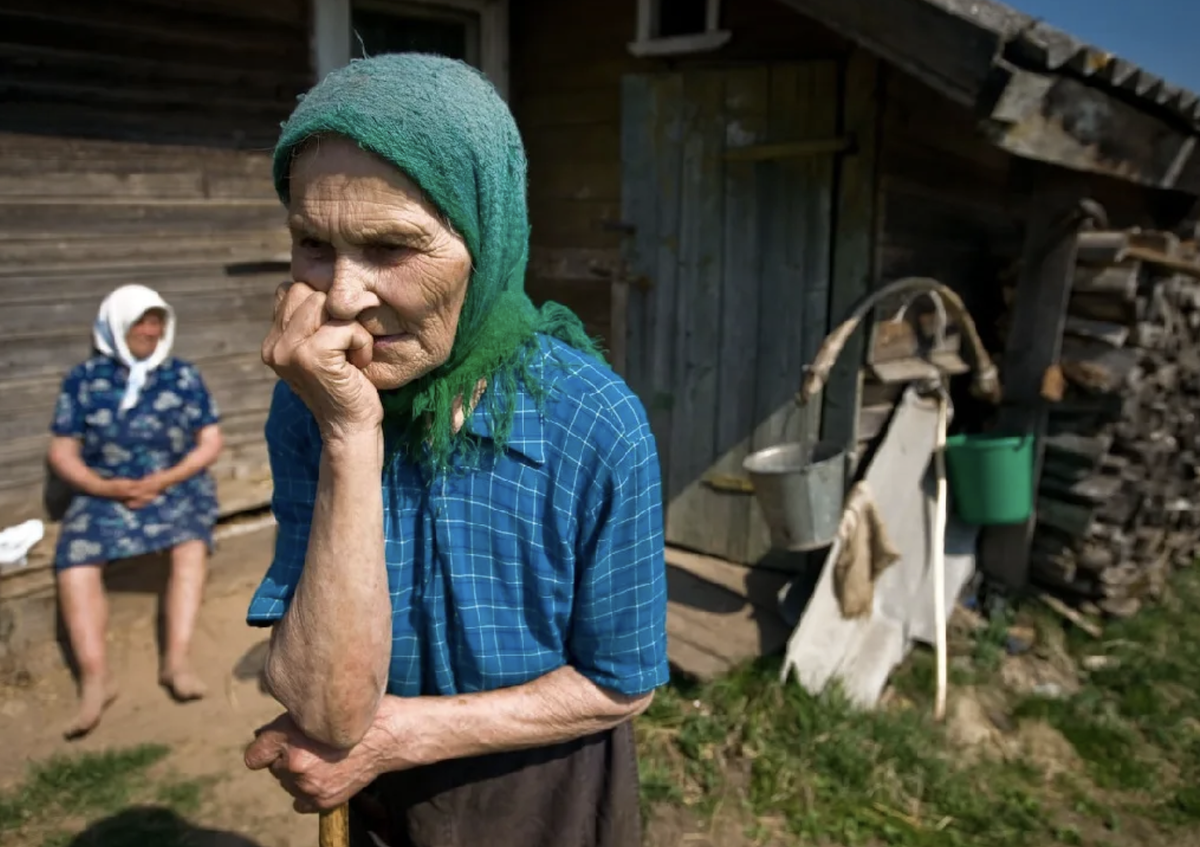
134, 433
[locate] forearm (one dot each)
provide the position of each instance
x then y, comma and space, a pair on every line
202, 456
65, 460
558, 707
329, 653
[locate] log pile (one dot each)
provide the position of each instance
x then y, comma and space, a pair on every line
1119, 498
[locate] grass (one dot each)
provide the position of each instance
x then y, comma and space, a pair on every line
117, 798
822, 771
827, 771
1137, 722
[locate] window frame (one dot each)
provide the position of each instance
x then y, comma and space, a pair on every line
332, 34
648, 43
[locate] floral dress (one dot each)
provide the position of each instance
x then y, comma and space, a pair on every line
152, 436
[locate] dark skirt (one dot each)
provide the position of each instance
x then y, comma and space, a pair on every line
583, 793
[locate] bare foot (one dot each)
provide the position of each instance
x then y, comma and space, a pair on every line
182, 684
94, 697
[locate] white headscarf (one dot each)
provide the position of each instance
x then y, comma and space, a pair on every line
118, 313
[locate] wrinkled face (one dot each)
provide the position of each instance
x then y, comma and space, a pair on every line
143, 337
364, 234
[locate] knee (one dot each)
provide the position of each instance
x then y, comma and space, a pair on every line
190, 552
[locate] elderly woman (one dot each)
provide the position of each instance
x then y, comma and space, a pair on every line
133, 432
468, 594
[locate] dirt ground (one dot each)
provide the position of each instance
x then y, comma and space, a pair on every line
207, 737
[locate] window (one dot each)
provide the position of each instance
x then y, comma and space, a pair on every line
475, 31
673, 27
378, 28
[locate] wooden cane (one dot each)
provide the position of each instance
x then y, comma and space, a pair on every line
335, 827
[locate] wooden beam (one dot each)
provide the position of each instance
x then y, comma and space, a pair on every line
618, 331
1066, 122
680, 45
854, 240
572, 264
918, 368
952, 53
1034, 344
789, 149
953, 46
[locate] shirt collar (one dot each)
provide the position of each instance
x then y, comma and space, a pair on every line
528, 428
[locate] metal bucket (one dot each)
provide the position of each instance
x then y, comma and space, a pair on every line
800, 490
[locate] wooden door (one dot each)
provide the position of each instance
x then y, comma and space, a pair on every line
733, 240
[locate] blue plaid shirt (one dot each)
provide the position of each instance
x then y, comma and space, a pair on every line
550, 554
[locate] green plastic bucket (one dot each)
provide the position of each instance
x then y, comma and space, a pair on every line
991, 478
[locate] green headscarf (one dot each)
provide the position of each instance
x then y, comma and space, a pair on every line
443, 124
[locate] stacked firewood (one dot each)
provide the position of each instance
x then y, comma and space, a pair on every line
1119, 498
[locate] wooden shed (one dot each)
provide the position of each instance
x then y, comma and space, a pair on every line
712, 185
725, 186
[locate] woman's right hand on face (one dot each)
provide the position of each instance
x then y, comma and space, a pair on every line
323, 360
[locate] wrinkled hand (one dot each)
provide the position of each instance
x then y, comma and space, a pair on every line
322, 359
319, 777
142, 492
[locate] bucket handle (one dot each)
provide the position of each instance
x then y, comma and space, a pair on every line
796, 405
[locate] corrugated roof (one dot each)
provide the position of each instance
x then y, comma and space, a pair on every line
1031, 43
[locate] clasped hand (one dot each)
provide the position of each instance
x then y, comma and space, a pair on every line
136, 493
320, 777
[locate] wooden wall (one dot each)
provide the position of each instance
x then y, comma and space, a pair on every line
566, 67
950, 205
947, 210
953, 206
134, 148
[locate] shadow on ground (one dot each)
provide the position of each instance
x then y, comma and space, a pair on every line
153, 826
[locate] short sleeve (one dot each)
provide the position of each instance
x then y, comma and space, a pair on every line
69, 409
294, 451
200, 407
618, 636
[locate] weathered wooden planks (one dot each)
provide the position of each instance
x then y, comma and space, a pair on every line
694, 331
203, 73
746, 108
720, 614
651, 189
120, 163
855, 267
736, 258
947, 210
796, 218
